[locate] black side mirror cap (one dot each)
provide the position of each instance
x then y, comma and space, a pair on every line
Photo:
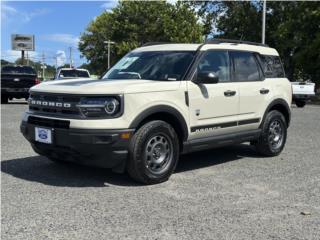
206, 78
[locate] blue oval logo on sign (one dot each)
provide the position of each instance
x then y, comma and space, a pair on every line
42, 134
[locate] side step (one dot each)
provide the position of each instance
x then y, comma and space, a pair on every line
220, 141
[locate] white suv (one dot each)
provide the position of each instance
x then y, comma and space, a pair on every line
162, 100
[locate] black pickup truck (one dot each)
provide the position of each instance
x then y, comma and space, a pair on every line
16, 81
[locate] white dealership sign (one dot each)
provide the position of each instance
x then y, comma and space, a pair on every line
22, 42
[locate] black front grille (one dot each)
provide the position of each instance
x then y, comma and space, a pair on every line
45, 122
56, 104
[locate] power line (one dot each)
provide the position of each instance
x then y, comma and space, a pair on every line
43, 64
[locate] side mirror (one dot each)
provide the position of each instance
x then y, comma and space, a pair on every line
206, 78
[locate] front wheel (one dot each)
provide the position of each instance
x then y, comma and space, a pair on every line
273, 136
153, 153
300, 104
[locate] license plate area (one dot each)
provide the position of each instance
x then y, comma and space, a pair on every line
43, 135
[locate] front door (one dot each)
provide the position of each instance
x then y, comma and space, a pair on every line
213, 107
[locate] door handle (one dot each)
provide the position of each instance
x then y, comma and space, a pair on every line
229, 93
264, 91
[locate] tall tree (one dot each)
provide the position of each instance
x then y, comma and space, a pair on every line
133, 23
293, 28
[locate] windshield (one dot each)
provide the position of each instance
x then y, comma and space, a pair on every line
18, 70
155, 65
73, 74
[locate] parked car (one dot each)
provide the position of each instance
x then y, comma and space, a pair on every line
71, 73
160, 101
16, 82
302, 92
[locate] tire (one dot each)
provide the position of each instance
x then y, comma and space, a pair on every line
153, 153
300, 104
4, 99
274, 135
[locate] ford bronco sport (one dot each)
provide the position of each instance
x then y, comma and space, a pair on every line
162, 100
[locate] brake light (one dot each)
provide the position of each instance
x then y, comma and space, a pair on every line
37, 81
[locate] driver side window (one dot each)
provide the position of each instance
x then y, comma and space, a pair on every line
216, 62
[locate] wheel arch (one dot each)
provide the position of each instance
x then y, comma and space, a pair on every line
280, 105
165, 113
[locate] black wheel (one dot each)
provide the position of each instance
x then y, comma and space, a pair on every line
300, 104
274, 134
153, 153
4, 99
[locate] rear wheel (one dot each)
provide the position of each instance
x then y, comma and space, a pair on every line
274, 134
300, 104
153, 153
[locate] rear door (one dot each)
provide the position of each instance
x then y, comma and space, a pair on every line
254, 91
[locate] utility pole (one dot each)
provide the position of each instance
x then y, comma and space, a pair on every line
43, 65
56, 58
264, 21
27, 58
22, 57
109, 43
71, 61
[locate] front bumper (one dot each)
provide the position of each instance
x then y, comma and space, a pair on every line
101, 148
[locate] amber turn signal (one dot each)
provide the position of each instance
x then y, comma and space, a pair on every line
125, 135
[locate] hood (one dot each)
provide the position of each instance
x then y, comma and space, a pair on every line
94, 86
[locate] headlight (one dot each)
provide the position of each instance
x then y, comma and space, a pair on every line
99, 107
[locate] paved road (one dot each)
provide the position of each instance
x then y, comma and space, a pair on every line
229, 193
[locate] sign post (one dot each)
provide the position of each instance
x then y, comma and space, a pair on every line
22, 42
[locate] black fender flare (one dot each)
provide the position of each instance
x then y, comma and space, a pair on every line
161, 109
275, 102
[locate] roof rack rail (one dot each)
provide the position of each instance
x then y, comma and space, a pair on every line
221, 40
154, 43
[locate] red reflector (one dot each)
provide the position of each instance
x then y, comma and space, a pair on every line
37, 81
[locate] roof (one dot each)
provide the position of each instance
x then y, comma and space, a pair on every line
264, 50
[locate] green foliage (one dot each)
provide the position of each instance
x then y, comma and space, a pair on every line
133, 23
293, 28
5, 62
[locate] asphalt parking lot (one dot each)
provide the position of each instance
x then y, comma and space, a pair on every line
228, 193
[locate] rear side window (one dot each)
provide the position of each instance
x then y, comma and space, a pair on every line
18, 70
245, 67
272, 66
